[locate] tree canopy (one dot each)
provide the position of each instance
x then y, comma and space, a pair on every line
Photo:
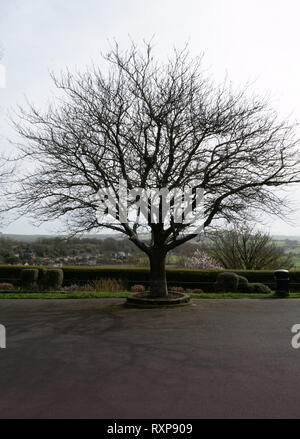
154, 125
245, 248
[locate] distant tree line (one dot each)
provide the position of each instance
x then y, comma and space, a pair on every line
243, 248
13, 252
80, 251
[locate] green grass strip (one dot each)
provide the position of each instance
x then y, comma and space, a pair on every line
124, 294
63, 295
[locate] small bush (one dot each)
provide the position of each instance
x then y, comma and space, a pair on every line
137, 289
5, 286
197, 291
227, 283
29, 278
258, 288
243, 284
108, 285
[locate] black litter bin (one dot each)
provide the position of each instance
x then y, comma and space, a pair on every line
282, 283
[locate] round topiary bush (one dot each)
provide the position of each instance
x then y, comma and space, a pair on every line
6, 286
197, 291
137, 289
29, 277
243, 285
42, 279
258, 288
226, 283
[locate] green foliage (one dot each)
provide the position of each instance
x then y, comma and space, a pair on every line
73, 295
188, 279
91, 251
227, 282
46, 251
29, 278
124, 294
50, 279
42, 279
242, 284
258, 288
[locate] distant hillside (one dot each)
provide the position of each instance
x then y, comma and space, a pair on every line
283, 237
34, 238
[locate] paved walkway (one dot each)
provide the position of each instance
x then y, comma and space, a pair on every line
96, 359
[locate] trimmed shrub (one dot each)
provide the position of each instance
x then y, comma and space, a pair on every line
5, 286
197, 291
189, 279
137, 289
258, 288
50, 279
227, 282
242, 284
55, 278
42, 279
29, 278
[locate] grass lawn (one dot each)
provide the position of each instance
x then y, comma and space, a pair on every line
124, 294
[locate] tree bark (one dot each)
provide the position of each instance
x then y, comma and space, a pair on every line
158, 279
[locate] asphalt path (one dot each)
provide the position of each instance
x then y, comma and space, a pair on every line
93, 358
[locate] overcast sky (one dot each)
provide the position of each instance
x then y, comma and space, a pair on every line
248, 40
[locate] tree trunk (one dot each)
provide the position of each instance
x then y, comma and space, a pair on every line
158, 280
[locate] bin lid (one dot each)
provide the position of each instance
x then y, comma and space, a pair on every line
281, 271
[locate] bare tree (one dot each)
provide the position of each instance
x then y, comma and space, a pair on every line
6, 170
243, 247
154, 125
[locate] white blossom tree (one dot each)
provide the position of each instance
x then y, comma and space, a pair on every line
201, 260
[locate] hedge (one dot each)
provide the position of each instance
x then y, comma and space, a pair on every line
176, 277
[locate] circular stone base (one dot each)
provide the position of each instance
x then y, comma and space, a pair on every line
144, 300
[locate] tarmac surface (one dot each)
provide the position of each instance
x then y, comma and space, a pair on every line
94, 358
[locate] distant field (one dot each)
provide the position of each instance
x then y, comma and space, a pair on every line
279, 243
296, 260
293, 250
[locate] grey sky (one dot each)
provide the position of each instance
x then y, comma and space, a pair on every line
249, 40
